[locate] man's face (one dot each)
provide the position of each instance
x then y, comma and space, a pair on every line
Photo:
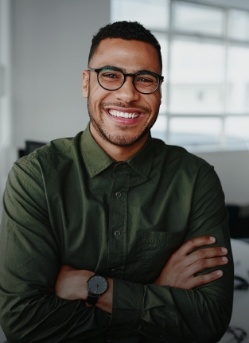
122, 117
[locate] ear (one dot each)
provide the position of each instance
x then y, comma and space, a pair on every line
85, 83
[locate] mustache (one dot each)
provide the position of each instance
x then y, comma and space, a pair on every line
143, 109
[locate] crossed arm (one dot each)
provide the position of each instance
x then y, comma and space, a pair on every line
183, 270
173, 305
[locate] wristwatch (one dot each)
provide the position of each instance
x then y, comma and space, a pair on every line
97, 285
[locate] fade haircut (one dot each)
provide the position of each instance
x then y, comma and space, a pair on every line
127, 30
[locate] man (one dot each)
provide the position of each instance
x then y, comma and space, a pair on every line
113, 236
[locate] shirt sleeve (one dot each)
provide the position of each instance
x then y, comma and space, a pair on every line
29, 264
30, 311
176, 315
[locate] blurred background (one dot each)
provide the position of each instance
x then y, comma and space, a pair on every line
44, 47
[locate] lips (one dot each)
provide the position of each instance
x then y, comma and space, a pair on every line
125, 115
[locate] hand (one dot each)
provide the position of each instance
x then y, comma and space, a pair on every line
71, 284
181, 269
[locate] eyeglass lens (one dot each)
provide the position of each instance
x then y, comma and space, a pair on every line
114, 79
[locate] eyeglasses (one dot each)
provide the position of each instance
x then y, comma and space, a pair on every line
112, 78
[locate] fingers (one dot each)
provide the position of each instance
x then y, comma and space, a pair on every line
189, 246
205, 264
201, 260
204, 258
190, 277
195, 256
197, 249
218, 254
200, 280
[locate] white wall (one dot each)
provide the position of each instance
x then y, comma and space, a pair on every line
50, 45
7, 153
233, 170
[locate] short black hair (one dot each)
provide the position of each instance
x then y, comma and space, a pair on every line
127, 30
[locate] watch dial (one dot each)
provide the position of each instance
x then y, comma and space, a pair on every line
97, 285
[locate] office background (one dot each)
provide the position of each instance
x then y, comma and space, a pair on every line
43, 50
44, 47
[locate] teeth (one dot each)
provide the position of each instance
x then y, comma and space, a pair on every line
123, 114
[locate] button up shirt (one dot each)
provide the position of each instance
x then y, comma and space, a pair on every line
70, 203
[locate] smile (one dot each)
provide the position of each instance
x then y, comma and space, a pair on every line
125, 115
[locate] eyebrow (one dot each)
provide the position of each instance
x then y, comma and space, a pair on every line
111, 67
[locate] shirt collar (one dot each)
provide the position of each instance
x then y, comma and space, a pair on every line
97, 160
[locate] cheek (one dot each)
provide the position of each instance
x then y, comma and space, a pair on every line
155, 102
158, 101
99, 96
96, 98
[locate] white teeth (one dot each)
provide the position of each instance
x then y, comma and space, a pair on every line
123, 114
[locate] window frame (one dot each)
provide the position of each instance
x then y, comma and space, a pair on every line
227, 42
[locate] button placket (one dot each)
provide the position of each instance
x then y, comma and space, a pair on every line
118, 217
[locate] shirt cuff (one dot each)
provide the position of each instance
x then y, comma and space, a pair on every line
127, 302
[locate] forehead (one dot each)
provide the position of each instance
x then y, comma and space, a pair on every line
130, 55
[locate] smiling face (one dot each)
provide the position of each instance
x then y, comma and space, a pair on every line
123, 117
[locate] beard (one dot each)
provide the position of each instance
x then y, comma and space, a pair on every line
120, 139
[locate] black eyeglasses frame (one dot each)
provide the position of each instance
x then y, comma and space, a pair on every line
160, 78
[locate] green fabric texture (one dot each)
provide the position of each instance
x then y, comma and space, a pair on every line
70, 203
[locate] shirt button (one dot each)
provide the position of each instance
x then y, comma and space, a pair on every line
117, 234
118, 194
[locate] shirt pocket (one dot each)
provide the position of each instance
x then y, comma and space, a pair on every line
154, 250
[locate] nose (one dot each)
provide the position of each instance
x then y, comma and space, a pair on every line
127, 92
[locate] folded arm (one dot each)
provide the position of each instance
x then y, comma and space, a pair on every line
34, 308
189, 268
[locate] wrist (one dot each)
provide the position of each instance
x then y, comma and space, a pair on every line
97, 286
106, 300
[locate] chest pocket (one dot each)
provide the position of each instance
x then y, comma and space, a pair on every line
155, 248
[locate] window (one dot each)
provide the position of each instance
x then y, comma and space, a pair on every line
238, 25
150, 13
205, 48
196, 75
238, 79
194, 18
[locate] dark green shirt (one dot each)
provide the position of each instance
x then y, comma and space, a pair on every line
70, 203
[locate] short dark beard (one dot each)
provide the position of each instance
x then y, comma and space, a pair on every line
120, 141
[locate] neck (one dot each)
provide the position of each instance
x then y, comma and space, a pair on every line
118, 153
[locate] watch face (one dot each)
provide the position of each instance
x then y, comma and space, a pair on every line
97, 285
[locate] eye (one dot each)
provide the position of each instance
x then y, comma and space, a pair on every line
146, 79
110, 75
